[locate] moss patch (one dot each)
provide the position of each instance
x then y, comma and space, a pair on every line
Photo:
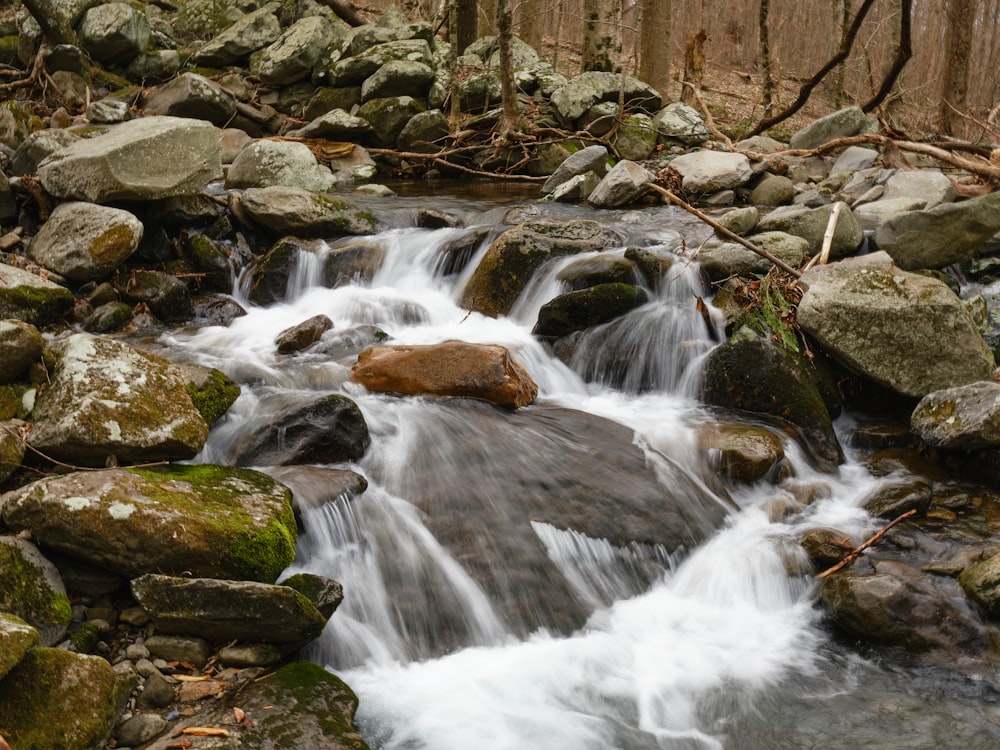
213, 398
25, 592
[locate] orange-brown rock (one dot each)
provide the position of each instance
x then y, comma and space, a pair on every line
454, 368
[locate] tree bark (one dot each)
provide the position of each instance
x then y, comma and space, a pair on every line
531, 22
466, 24
655, 37
602, 35
904, 51
768, 87
55, 27
505, 33
961, 18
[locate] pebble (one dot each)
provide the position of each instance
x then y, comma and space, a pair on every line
136, 651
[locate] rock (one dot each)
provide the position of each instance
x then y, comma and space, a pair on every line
269, 274
20, 345
840, 124
220, 611
454, 368
587, 307
930, 186
710, 171
193, 96
251, 32
981, 583
853, 159
330, 429
38, 145
303, 335
772, 190
582, 92
11, 448
962, 418
144, 159
32, 589
681, 123
265, 163
300, 213
109, 317
250, 655
388, 116
398, 78
237, 523
605, 268
515, 255
169, 648
325, 593
157, 692
623, 184
636, 137
154, 66
935, 238
16, 638
106, 398
30, 298
902, 330
85, 241
315, 486
719, 261
113, 33
825, 547
212, 391
139, 729
740, 221
741, 452
355, 68
577, 188
753, 375
166, 296
335, 125
590, 159
292, 56
811, 223
652, 265
894, 499
873, 215
349, 262
52, 682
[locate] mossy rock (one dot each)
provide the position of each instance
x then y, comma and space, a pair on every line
24, 296
212, 391
31, 588
16, 638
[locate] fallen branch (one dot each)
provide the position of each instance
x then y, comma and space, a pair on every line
709, 120
855, 553
725, 232
831, 228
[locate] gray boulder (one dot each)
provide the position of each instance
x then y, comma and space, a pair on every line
298, 212
772, 190
398, 78
388, 116
335, 125
873, 215
219, 611
28, 297
964, 418
930, 186
636, 137
582, 92
681, 123
192, 96
114, 32
293, 55
32, 590
33, 149
251, 32
590, 159
425, 132
935, 238
853, 159
842, 123
811, 223
106, 398
575, 311
205, 521
144, 159
353, 70
265, 163
20, 345
315, 486
905, 331
711, 171
85, 241
623, 184
721, 260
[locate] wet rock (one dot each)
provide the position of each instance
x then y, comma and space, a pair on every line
605, 268
981, 583
741, 452
230, 523
325, 593
825, 547
16, 638
220, 611
896, 498
962, 418
212, 391
842, 123
265, 163
28, 297
269, 274
107, 398
32, 590
918, 337
303, 335
930, 186
587, 307
328, 430
652, 265
301, 213
20, 345
454, 368
623, 184
351, 262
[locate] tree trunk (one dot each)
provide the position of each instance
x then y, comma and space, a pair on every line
960, 19
844, 6
694, 66
55, 27
655, 44
505, 32
466, 24
602, 35
532, 22
768, 86
487, 17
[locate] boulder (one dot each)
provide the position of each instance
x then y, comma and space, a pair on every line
251, 32
772, 190
739, 221
303, 335
582, 92
330, 429
106, 398
604, 268
20, 345
636, 137
515, 255
31, 589
212, 391
287, 163
388, 116
590, 159
324, 593
902, 330
935, 238
853, 159
740, 452
623, 184
710, 171
876, 213
16, 638
301, 213
587, 307
25, 296
292, 56
681, 123
38, 145
144, 159
205, 521
425, 132
893, 499
191, 95
335, 125
840, 124
930, 186
454, 368
966, 417
810, 224
11, 447
315, 486
220, 611
719, 261
398, 78
355, 68
154, 66
981, 583
85, 241
114, 33
53, 682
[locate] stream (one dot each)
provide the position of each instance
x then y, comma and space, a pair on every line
477, 614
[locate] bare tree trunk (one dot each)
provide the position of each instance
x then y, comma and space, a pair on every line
55, 27
904, 51
531, 21
602, 35
845, 27
505, 33
655, 34
768, 87
961, 18
487, 17
694, 66
466, 24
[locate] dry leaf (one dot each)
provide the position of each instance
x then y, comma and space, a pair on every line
191, 677
206, 731
239, 714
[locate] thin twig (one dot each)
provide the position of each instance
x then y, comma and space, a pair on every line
831, 228
855, 553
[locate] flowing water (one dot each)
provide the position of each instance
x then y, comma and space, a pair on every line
478, 614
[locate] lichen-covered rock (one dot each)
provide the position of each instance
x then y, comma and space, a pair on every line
84, 241
212, 391
905, 331
981, 583
32, 589
144, 159
516, 254
207, 521
355, 68
388, 116
893, 499
582, 92
930, 186
711, 171
325, 593
301, 213
16, 638
335, 124
961, 418
106, 398
25, 296
251, 32
292, 55
844, 122
590, 159
265, 163
587, 307
20, 345
114, 32
681, 123
193, 96
220, 611
398, 78
454, 368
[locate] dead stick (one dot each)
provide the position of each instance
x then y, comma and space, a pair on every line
855, 553
831, 227
726, 232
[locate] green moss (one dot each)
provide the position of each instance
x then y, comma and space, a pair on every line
84, 639
25, 592
108, 246
213, 399
36, 305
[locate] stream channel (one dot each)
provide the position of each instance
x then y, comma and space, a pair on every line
488, 607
